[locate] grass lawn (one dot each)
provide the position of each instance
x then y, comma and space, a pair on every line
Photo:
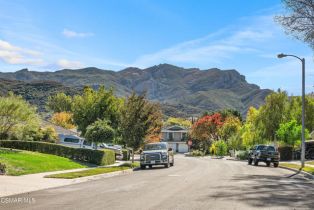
88, 172
309, 162
20, 162
295, 166
94, 171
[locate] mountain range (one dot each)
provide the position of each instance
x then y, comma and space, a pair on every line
180, 91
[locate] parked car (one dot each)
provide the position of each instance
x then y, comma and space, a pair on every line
156, 154
90, 145
263, 153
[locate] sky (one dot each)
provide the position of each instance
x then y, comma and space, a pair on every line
114, 34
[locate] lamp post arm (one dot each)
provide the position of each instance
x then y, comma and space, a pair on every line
295, 57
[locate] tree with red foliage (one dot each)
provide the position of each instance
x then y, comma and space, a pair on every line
206, 129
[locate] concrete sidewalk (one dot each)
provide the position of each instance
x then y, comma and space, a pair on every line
11, 185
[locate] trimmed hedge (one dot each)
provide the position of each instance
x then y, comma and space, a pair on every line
98, 157
126, 154
286, 152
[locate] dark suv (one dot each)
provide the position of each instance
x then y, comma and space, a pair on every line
263, 153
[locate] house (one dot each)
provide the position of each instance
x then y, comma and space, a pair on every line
67, 137
176, 137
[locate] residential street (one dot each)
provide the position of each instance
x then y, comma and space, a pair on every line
193, 183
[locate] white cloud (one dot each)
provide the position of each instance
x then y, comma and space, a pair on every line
72, 34
12, 54
68, 64
286, 74
216, 47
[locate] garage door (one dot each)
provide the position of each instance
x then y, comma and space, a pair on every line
183, 148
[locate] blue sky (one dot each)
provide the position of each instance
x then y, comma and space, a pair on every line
114, 34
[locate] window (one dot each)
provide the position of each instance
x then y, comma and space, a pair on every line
155, 147
170, 136
71, 140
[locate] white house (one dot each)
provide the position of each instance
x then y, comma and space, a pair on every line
176, 137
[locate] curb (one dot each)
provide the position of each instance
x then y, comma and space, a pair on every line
99, 176
306, 174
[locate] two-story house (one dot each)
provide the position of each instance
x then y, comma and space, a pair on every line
176, 137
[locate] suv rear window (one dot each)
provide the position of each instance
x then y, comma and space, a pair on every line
261, 147
271, 149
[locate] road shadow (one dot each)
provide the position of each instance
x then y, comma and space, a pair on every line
153, 168
265, 191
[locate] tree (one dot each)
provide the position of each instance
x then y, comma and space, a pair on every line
17, 118
290, 133
251, 131
63, 119
99, 132
49, 134
139, 118
230, 127
225, 113
178, 121
60, 103
206, 129
295, 111
273, 113
154, 131
235, 142
299, 20
94, 105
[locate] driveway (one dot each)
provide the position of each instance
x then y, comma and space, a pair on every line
193, 183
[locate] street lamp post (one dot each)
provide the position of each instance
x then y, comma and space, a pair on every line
303, 105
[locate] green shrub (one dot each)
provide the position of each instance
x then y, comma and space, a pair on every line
242, 155
197, 153
99, 157
212, 149
2, 168
221, 148
126, 154
109, 157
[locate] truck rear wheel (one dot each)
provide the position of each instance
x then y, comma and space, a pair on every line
276, 165
268, 164
255, 162
143, 166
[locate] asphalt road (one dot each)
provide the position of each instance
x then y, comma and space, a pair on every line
193, 183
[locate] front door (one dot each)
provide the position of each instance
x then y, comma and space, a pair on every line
177, 147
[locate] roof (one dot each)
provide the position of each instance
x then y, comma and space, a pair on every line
59, 129
174, 128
